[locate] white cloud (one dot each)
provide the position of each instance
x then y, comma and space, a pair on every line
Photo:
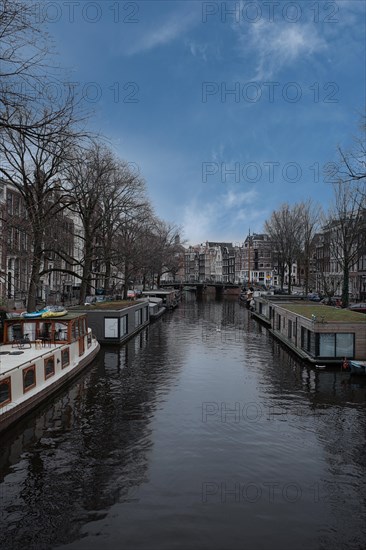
224, 218
234, 199
168, 31
279, 45
205, 51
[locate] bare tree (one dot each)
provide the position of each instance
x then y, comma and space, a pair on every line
23, 53
284, 230
132, 241
310, 224
89, 176
29, 77
121, 200
346, 226
34, 165
351, 167
165, 249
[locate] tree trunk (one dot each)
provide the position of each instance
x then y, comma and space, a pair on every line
125, 286
107, 278
282, 276
345, 285
85, 282
289, 266
307, 270
35, 278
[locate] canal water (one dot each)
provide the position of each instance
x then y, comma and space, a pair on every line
200, 433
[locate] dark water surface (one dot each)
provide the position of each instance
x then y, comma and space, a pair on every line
201, 433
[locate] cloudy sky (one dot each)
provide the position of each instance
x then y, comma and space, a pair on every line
228, 108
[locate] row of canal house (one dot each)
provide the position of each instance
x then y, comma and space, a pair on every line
313, 331
221, 262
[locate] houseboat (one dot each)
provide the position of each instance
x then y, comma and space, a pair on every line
38, 356
117, 321
156, 308
170, 298
317, 333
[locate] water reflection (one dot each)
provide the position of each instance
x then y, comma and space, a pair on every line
204, 431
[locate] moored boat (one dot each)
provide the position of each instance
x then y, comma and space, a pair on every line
357, 367
37, 357
156, 308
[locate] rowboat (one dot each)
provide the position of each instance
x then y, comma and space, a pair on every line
37, 357
35, 314
54, 312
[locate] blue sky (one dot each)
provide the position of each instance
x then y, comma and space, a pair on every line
228, 108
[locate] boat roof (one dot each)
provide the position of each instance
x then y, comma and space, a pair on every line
12, 358
70, 316
329, 313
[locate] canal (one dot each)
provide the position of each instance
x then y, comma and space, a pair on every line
200, 433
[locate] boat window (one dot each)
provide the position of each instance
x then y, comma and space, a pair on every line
5, 391
123, 325
138, 317
61, 332
336, 344
65, 357
278, 321
15, 332
29, 378
30, 329
345, 345
110, 327
44, 329
77, 329
49, 367
289, 329
307, 340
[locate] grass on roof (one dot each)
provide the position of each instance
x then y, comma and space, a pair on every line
330, 314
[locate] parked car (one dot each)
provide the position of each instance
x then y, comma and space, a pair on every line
314, 297
360, 308
131, 294
89, 300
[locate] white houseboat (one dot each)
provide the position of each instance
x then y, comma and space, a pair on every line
37, 357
